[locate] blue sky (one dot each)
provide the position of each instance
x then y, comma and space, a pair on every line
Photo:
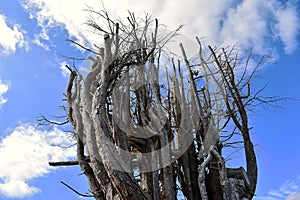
32, 80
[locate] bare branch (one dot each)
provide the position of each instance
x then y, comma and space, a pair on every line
81, 46
83, 195
67, 163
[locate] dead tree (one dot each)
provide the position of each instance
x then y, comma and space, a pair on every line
147, 130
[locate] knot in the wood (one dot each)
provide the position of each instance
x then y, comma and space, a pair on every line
106, 36
220, 165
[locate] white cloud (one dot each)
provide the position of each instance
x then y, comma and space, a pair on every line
17, 188
294, 196
11, 38
288, 26
38, 42
260, 24
25, 154
246, 24
50, 14
289, 190
3, 89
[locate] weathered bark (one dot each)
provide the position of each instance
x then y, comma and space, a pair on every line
214, 188
201, 178
77, 125
194, 173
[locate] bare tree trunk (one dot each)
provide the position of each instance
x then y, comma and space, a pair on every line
135, 125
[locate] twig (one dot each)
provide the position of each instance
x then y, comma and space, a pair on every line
84, 195
87, 49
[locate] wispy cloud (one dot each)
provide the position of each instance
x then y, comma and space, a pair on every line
53, 14
25, 154
294, 196
3, 89
288, 26
289, 190
39, 43
11, 37
259, 24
